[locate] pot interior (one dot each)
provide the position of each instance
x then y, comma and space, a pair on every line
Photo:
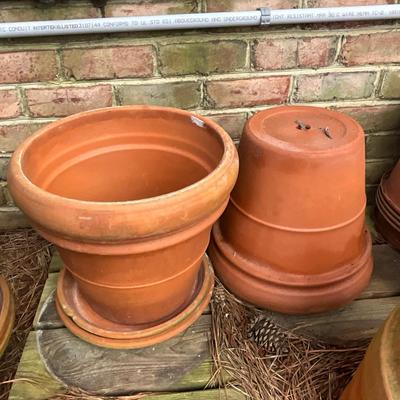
122, 155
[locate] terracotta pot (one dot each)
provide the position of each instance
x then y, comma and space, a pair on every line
385, 208
128, 195
378, 377
391, 187
293, 237
7, 314
387, 213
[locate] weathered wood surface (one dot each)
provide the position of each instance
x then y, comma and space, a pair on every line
175, 365
215, 394
120, 372
181, 363
359, 320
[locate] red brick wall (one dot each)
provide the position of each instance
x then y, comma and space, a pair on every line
227, 74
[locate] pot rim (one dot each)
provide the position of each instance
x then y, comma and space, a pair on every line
387, 212
203, 287
389, 200
38, 203
267, 273
389, 354
279, 146
153, 335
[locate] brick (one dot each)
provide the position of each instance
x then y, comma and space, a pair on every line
248, 92
291, 53
202, 58
9, 104
135, 8
27, 66
63, 101
275, 54
111, 62
376, 168
171, 94
391, 85
316, 52
332, 86
340, 3
248, 5
232, 123
11, 135
376, 118
25, 11
383, 145
372, 48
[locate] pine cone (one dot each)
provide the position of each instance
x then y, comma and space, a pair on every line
268, 335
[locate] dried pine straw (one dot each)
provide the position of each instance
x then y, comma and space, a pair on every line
283, 367
24, 261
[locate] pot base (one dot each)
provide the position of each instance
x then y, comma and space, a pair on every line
390, 234
84, 323
7, 314
287, 293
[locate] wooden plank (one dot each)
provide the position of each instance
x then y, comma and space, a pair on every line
48, 313
385, 281
47, 316
56, 262
214, 394
181, 363
33, 381
12, 218
354, 323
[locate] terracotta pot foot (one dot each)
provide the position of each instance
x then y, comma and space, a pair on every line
289, 293
86, 324
7, 314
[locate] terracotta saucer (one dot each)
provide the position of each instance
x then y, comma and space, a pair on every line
7, 314
85, 323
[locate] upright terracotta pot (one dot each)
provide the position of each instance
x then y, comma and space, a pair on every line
378, 376
293, 238
7, 314
128, 195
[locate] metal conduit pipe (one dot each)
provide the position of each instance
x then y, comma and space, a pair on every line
259, 17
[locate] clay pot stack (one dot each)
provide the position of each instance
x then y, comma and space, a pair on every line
293, 237
128, 195
388, 207
378, 376
7, 314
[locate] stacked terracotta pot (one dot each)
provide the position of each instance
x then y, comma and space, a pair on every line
388, 207
128, 195
378, 376
293, 237
7, 314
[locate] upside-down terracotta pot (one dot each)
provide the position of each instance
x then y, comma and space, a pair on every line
7, 314
387, 213
293, 237
128, 195
378, 376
